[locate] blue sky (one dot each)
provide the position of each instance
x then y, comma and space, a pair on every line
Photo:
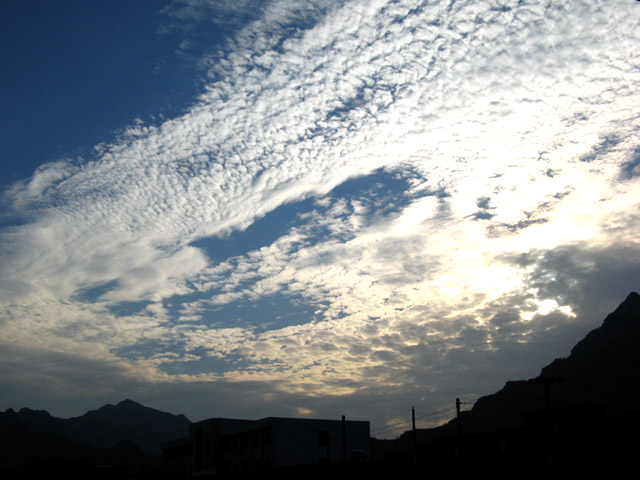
309, 208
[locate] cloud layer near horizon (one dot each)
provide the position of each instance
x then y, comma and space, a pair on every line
498, 150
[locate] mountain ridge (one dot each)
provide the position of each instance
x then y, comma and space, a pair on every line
104, 427
601, 370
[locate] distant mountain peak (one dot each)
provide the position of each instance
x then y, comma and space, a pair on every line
632, 302
34, 413
615, 338
128, 403
602, 370
109, 425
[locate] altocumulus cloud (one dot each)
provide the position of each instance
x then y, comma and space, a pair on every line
497, 147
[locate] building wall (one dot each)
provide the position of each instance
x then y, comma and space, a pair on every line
205, 437
302, 441
229, 445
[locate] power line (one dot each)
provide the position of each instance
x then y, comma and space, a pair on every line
434, 413
389, 426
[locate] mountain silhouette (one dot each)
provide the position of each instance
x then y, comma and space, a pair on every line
128, 420
127, 434
601, 371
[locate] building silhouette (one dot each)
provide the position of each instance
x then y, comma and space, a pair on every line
224, 446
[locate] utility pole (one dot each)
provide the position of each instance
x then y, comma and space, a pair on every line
459, 422
458, 417
344, 439
413, 431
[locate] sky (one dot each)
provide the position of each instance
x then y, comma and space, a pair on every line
310, 208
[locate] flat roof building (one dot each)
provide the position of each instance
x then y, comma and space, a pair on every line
223, 445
